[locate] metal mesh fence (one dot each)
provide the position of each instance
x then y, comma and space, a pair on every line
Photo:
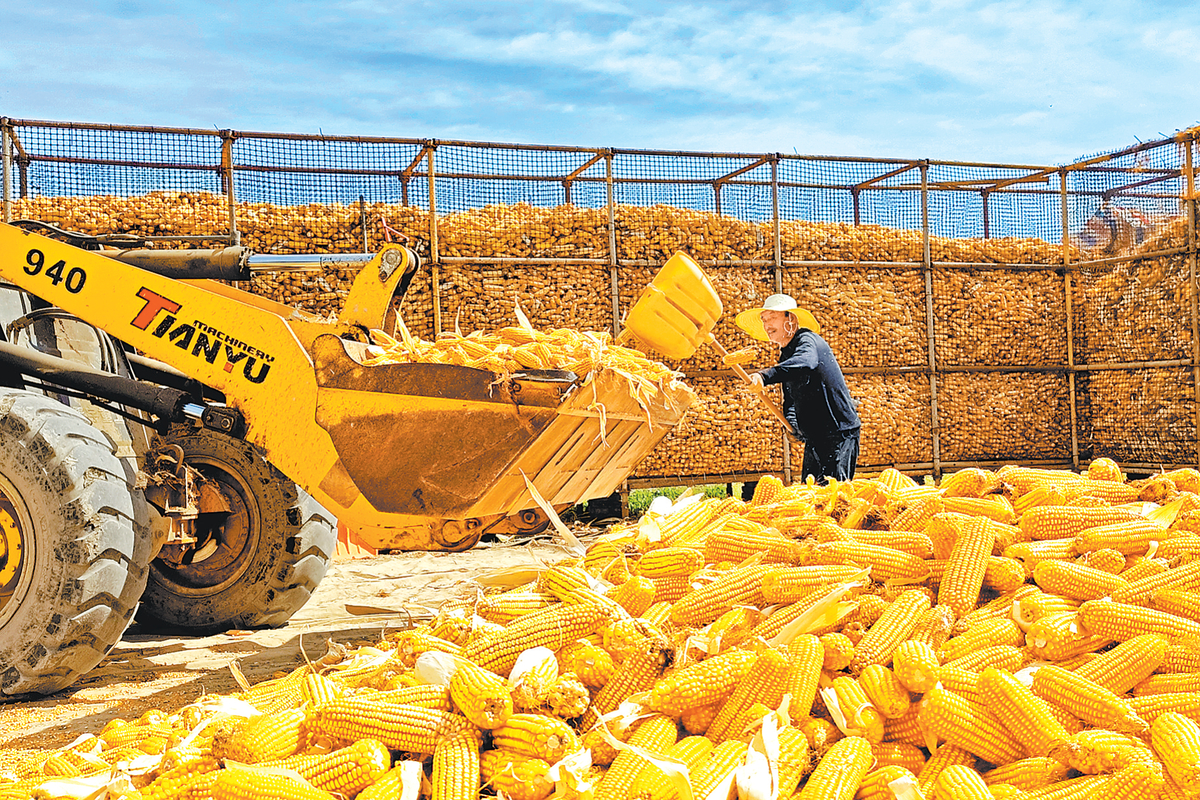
971, 314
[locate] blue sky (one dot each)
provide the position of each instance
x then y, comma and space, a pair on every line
1026, 81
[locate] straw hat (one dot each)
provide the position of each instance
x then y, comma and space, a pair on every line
750, 320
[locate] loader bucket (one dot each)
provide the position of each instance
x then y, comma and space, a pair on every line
677, 311
445, 441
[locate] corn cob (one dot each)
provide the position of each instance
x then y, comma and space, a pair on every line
697, 720
679, 527
638, 673
805, 656
400, 727
962, 682
1028, 773
764, 683
635, 595
1032, 553
249, 785
1141, 590
896, 624
968, 482
481, 696
1036, 605
456, 773
1151, 706
840, 771
346, 771
656, 735
1084, 787
600, 556
1128, 538
593, 665
1180, 658
1057, 637
911, 542
1002, 656
995, 508
1105, 559
885, 691
779, 619
959, 782
934, 626
411, 643
917, 516
877, 783
1137, 781
741, 586
423, 696
916, 666
886, 563
1123, 622
1127, 664
906, 729
1168, 683
1176, 741
1178, 602
709, 681
1077, 581
945, 756
968, 725
536, 736
653, 784
267, 737
712, 769
1138, 567
963, 577
518, 777
1085, 699
733, 627
790, 584
670, 562
838, 651
553, 628
1023, 714
668, 590
737, 546
852, 710
985, 634
1061, 522
1097, 750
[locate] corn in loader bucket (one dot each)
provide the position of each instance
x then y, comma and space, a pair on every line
677, 311
452, 442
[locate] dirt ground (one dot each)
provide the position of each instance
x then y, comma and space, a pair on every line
355, 604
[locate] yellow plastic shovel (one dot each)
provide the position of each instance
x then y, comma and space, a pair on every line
677, 312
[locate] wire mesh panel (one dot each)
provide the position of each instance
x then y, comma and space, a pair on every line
988, 417
1145, 416
896, 415
999, 317
722, 434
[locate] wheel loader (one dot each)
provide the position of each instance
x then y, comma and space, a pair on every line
171, 442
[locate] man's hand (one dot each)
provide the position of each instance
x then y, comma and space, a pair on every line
756, 381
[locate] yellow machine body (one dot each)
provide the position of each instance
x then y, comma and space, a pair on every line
412, 456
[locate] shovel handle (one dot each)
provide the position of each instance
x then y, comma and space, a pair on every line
770, 404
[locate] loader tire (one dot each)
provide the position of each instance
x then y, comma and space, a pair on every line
275, 545
70, 577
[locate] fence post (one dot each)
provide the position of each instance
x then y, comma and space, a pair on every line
927, 267
1190, 188
1070, 311
777, 247
5, 132
612, 243
227, 139
435, 275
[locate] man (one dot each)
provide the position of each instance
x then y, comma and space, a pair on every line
815, 398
